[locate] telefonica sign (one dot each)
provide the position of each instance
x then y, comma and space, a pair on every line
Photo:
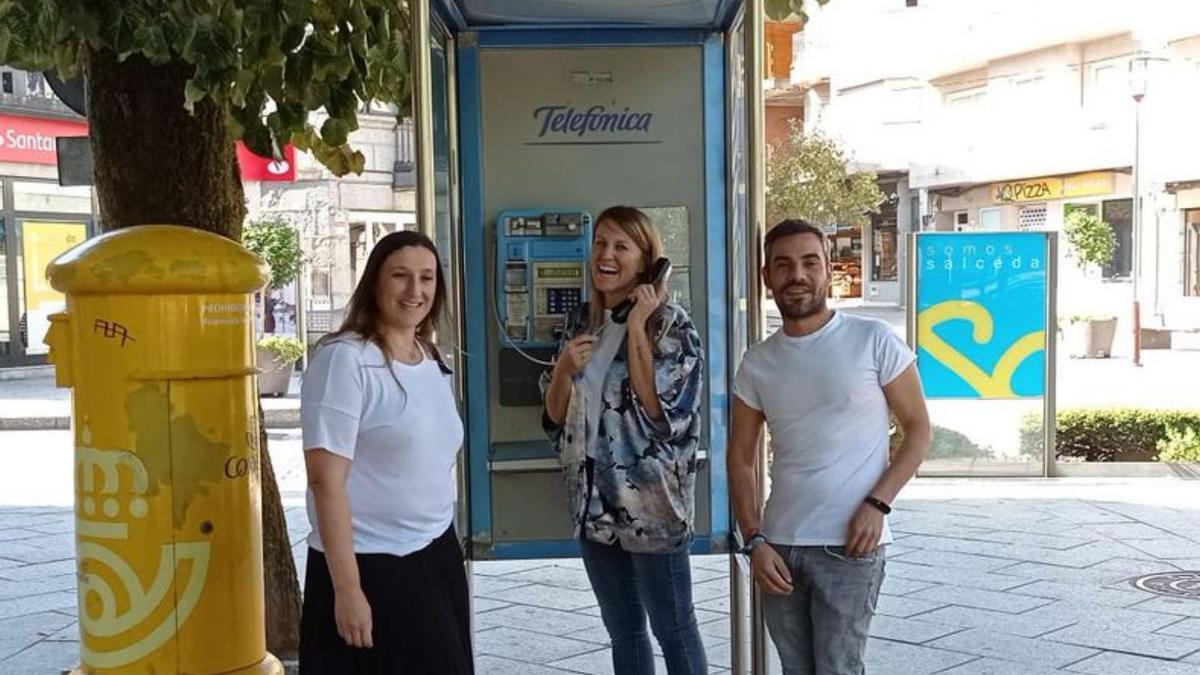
596, 125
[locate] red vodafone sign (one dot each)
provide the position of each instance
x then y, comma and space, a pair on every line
265, 168
30, 140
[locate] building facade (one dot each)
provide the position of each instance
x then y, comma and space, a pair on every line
38, 218
338, 219
998, 122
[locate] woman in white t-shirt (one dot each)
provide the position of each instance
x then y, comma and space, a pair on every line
385, 589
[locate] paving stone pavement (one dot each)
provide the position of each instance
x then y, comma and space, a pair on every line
996, 577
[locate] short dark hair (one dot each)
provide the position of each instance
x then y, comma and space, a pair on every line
792, 227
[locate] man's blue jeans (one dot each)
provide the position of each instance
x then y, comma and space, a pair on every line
629, 586
821, 628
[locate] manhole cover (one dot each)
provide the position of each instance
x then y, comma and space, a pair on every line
1173, 584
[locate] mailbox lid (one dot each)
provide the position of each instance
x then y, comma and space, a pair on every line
157, 260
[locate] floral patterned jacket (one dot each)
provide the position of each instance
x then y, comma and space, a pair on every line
642, 487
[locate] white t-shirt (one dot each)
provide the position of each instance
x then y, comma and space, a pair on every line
822, 396
402, 443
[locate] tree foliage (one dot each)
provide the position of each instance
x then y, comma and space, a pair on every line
278, 243
1093, 239
268, 63
807, 177
778, 10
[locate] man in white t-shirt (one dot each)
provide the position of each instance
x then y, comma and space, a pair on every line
824, 384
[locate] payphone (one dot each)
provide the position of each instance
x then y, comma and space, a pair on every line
541, 276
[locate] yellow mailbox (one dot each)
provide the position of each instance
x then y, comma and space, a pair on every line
158, 344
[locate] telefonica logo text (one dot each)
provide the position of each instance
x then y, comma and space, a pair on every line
560, 119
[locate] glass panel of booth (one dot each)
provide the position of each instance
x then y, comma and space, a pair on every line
675, 228
444, 203
5, 307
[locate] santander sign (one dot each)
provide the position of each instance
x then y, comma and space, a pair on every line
31, 140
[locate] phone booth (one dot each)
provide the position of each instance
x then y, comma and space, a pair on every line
533, 117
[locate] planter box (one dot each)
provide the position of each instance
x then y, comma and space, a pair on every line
274, 376
1090, 339
1156, 338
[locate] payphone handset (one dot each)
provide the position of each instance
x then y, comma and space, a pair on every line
656, 276
542, 273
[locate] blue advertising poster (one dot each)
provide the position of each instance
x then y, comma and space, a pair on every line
981, 323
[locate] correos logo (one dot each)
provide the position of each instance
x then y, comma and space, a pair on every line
278, 167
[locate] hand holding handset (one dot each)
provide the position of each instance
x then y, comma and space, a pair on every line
656, 276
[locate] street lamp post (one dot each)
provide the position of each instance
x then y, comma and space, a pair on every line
1138, 67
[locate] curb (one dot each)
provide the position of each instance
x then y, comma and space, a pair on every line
275, 419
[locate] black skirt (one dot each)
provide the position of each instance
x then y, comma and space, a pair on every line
420, 615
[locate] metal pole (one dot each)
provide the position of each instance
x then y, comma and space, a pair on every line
302, 314
913, 241
739, 571
757, 172
1137, 234
1050, 395
422, 87
1158, 313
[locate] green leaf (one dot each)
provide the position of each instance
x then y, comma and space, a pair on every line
292, 37
288, 56
5, 41
778, 10
334, 132
303, 140
192, 93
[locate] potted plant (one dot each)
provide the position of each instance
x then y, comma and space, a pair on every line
277, 357
1092, 239
1090, 336
277, 243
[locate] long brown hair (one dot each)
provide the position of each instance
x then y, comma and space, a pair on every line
637, 226
362, 315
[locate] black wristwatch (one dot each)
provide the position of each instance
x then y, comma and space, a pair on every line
753, 542
879, 504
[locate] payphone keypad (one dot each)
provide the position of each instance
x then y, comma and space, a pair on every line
562, 301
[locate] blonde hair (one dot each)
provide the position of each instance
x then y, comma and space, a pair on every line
638, 227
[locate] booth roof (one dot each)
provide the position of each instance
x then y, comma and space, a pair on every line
546, 13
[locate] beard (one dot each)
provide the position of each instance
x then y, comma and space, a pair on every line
799, 308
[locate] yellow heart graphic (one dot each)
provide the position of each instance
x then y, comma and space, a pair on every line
996, 384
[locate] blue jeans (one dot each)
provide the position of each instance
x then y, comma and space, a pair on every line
821, 628
629, 586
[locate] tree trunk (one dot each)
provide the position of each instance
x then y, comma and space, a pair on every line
158, 164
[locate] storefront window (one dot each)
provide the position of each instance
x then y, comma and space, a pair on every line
883, 266
5, 325
1191, 285
1118, 213
885, 238
1068, 209
41, 242
846, 260
51, 198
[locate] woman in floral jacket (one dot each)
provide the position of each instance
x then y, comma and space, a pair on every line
622, 408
